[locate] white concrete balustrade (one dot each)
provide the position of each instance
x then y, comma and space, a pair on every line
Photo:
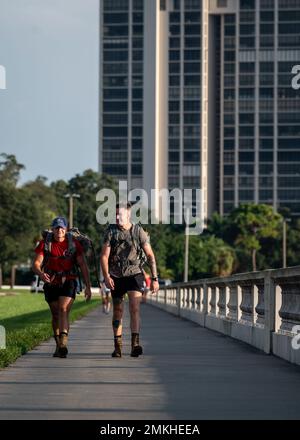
259, 308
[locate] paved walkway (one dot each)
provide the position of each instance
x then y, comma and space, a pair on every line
187, 372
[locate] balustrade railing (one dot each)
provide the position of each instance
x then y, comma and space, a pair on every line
251, 306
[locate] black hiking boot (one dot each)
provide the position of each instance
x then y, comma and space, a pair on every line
136, 348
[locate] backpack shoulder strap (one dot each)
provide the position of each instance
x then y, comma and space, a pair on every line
48, 237
71, 244
135, 235
114, 236
48, 242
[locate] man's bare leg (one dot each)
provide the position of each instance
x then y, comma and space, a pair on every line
55, 324
65, 304
134, 310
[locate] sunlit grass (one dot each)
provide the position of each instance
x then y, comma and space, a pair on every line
27, 321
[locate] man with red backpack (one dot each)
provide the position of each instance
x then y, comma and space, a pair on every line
56, 260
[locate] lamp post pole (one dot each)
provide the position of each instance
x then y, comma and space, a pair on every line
284, 242
187, 241
71, 207
186, 256
13, 276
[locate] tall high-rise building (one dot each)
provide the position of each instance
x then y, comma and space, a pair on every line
198, 94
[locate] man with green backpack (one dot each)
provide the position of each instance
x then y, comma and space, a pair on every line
56, 261
123, 251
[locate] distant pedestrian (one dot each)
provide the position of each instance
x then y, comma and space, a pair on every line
147, 286
106, 297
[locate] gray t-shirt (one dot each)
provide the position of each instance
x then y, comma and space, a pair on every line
123, 259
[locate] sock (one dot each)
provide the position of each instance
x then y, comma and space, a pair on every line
135, 339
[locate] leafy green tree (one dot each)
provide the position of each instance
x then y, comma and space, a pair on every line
221, 256
18, 215
60, 189
208, 256
251, 223
161, 236
293, 243
10, 169
217, 225
42, 197
87, 186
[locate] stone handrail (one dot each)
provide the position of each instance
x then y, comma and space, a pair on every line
260, 308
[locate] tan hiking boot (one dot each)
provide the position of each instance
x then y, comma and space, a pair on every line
63, 341
136, 349
117, 353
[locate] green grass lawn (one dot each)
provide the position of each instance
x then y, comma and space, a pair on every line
27, 321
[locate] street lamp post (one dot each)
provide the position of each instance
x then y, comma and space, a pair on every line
284, 241
186, 254
13, 276
187, 242
71, 207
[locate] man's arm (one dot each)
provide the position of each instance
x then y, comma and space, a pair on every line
152, 264
86, 276
105, 252
36, 267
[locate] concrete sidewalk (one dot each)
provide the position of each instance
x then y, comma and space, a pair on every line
187, 372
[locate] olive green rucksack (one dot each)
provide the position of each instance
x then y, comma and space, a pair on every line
135, 236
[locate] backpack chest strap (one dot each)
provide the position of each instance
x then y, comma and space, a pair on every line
48, 247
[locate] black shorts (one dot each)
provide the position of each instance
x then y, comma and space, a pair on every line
123, 285
53, 292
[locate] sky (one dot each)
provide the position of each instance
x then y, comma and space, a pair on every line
49, 110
